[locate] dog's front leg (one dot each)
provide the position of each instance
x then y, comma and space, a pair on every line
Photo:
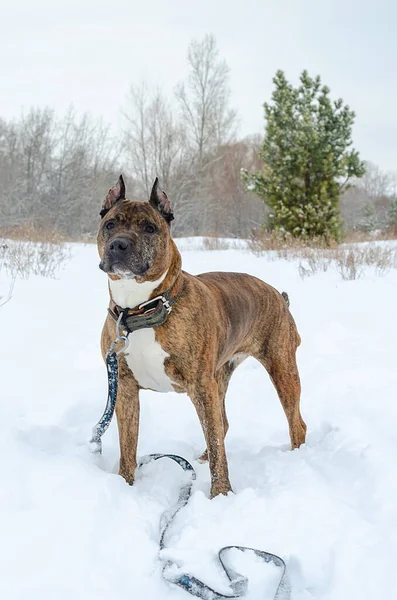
205, 398
127, 412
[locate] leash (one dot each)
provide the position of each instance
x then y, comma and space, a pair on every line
238, 583
112, 367
152, 313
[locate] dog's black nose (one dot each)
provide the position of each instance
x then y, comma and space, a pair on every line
119, 244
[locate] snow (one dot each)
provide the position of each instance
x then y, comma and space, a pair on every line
71, 528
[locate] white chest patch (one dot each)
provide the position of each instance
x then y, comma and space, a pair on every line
127, 292
145, 357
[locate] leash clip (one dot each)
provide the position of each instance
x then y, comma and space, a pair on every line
163, 299
119, 338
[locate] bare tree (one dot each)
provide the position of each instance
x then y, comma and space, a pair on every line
375, 183
10, 175
156, 146
181, 146
154, 140
366, 203
53, 171
137, 141
204, 99
231, 210
84, 157
36, 130
25, 150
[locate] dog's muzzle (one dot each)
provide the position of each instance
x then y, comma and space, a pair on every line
119, 259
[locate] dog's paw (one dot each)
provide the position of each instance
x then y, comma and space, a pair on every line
204, 457
220, 488
127, 475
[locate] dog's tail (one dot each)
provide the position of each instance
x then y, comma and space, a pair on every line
286, 298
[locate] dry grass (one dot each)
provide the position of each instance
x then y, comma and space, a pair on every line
350, 261
315, 256
32, 234
25, 251
379, 235
262, 241
24, 258
215, 243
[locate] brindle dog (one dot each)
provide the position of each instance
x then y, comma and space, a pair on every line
217, 321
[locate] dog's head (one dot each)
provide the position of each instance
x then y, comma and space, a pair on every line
133, 237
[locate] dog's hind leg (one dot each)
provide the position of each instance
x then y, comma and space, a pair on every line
284, 374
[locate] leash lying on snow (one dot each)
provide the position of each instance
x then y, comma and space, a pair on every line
192, 585
238, 583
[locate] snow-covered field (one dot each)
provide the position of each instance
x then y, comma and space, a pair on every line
71, 528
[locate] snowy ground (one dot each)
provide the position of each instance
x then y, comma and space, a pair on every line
70, 528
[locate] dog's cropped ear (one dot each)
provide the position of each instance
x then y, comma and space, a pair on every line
159, 201
116, 193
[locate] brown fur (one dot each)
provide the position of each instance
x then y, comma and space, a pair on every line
218, 316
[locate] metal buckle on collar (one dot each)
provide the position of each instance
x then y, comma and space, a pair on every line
119, 338
163, 299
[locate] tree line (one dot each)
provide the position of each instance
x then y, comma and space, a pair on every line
55, 169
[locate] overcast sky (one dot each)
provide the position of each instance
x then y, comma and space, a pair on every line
88, 52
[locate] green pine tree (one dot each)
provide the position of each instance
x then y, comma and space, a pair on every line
307, 160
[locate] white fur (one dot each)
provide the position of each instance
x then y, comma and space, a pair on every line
129, 293
145, 357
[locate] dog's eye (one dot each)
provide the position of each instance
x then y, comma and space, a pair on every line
149, 228
109, 225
